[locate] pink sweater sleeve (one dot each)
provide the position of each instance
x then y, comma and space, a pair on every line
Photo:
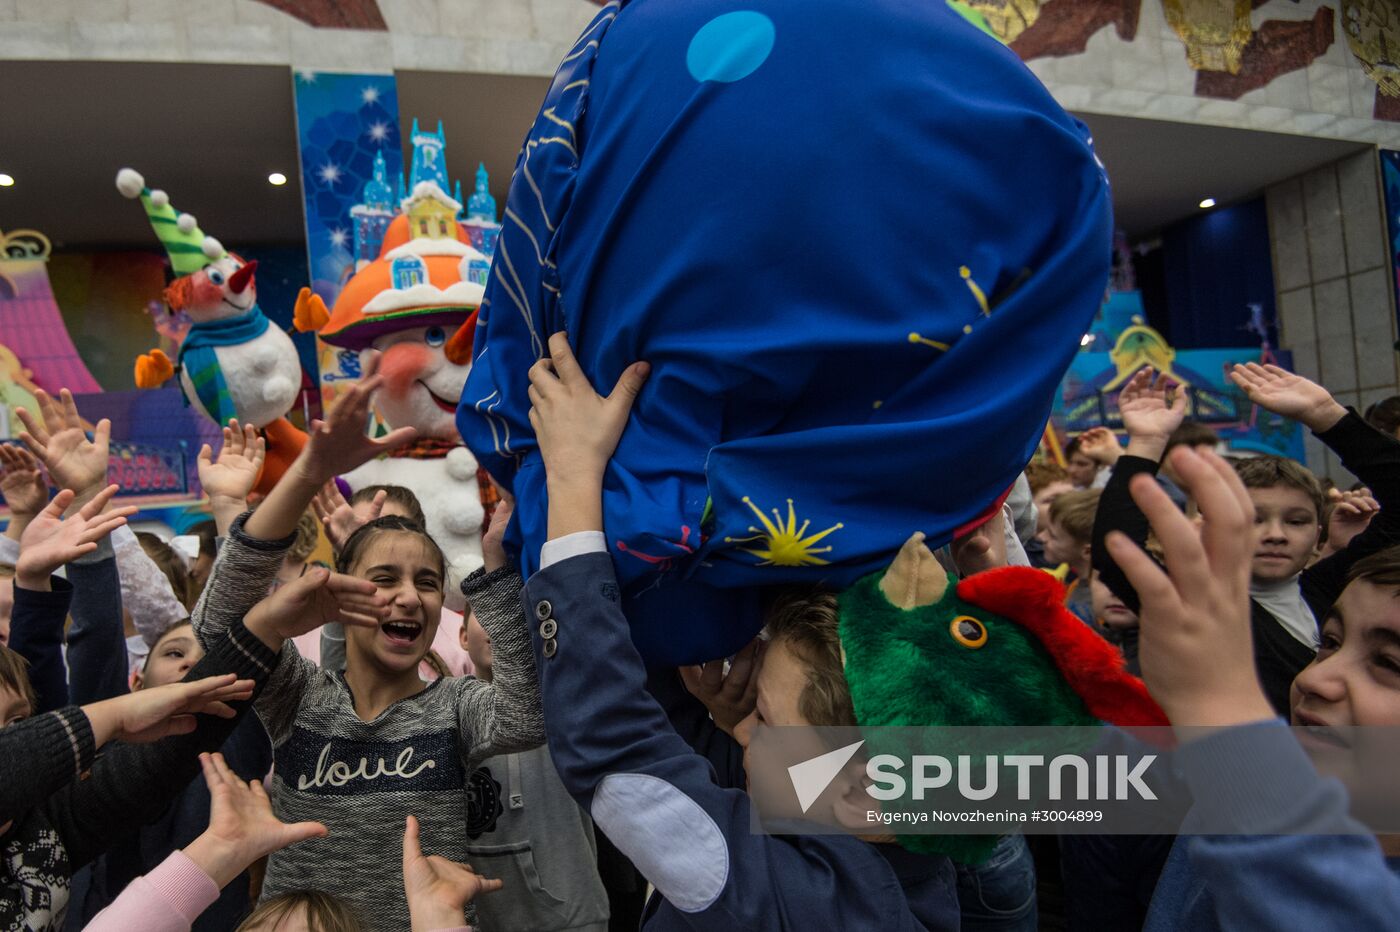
168, 899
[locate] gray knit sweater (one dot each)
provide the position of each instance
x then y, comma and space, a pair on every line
361, 779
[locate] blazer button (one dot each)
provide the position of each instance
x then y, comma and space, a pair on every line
543, 609
551, 647
548, 628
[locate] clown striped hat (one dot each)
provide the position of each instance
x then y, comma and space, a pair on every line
189, 249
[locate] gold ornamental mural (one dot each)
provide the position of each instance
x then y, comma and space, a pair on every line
1372, 29
1214, 32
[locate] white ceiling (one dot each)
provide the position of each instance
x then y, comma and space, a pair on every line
210, 134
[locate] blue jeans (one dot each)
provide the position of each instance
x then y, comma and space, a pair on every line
998, 895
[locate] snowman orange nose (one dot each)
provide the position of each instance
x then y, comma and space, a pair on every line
242, 278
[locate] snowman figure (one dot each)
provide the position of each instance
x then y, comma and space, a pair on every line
417, 305
232, 362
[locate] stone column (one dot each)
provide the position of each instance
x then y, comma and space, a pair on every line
1335, 282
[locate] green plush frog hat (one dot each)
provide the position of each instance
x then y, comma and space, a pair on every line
997, 649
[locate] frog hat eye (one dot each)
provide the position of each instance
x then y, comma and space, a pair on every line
968, 631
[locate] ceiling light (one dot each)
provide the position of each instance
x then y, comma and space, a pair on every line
6, 180
1207, 203
277, 178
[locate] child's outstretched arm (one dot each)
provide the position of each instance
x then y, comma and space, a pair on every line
241, 829
339, 521
1283, 829
134, 784
97, 654
228, 479
503, 716
79, 463
437, 889
74, 462
612, 745
1150, 419
42, 600
257, 542
42, 754
334, 446
1371, 455
24, 490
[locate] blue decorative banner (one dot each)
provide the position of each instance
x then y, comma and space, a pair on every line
1119, 344
1390, 177
345, 123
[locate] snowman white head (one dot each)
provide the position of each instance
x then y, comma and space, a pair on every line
222, 289
423, 380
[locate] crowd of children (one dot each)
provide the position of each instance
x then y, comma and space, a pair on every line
524, 770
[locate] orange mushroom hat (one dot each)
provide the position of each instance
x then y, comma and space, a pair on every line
415, 282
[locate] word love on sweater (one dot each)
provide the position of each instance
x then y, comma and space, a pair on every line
331, 765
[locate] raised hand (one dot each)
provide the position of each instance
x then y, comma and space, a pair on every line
493, 551
339, 443
334, 446
22, 484
1195, 646
577, 428
1351, 514
73, 461
160, 711
1288, 394
438, 890
1148, 417
729, 697
50, 541
1100, 445
338, 516
313, 599
228, 480
242, 827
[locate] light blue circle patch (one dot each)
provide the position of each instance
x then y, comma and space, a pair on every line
730, 47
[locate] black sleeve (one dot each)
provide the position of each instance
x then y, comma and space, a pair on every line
132, 784
1118, 512
97, 665
1374, 458
36, 634
39, 754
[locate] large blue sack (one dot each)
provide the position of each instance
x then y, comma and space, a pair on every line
858, 242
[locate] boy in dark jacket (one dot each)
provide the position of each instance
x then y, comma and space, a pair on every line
621, 760
1289, 598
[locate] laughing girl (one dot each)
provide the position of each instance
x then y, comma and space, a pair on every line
360, 751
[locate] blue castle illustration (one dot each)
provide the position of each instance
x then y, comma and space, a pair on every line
427, 181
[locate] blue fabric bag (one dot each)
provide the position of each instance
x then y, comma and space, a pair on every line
858, 242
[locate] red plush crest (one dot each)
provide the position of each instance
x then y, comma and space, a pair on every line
1092, 667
